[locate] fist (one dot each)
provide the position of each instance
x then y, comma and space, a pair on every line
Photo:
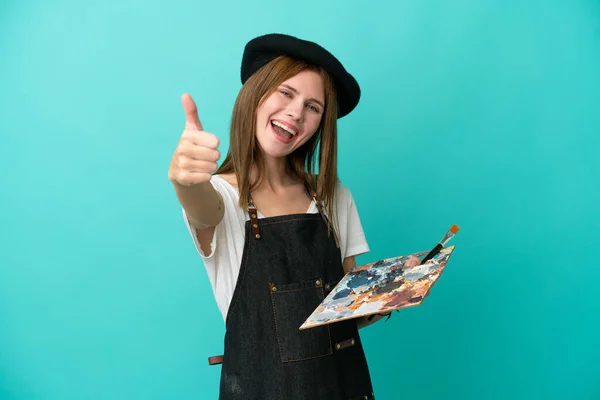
197, 153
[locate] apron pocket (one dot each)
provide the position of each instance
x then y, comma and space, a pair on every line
292, 304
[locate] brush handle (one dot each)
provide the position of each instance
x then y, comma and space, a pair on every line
432, 253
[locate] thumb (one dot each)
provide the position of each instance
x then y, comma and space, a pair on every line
191, 113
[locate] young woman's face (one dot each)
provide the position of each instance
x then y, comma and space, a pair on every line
291, 114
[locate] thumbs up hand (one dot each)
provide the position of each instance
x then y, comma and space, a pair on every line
197, 153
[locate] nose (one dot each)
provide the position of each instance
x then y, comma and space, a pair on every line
295, 110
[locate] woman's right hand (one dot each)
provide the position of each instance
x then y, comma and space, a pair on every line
196, 155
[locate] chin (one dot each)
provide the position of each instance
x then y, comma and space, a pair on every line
275, 153
273, 147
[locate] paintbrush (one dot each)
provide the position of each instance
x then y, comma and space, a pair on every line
438, 247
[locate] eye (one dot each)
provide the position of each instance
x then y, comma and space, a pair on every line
312, 108
285, 93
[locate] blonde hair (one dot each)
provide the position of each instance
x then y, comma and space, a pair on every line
244, 151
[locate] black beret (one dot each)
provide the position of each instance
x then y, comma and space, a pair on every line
259, 51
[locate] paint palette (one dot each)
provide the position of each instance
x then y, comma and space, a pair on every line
379, 287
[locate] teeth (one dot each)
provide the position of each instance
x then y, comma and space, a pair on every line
282, 126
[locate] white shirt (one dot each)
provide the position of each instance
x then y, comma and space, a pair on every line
224, 261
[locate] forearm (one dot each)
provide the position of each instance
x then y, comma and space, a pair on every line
202, 204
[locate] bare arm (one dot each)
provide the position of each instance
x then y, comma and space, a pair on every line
202, 204
193, 162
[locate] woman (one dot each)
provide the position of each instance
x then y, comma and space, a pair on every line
274, 236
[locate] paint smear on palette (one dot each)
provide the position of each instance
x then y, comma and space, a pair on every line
379, 287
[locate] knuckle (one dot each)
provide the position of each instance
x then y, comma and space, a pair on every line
211, 140
188, 135
185, 165
182, 148
181, 178
192, 179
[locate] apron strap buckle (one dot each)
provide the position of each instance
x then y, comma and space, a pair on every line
254, 221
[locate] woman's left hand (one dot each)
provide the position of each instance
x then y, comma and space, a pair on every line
413, 261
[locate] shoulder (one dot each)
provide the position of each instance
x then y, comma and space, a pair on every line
349, 225
228, 178
226, 186
343, 201
342, 190
343, 195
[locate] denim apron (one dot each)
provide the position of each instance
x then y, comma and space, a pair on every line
289, 264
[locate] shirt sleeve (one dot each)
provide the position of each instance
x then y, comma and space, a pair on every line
356, 242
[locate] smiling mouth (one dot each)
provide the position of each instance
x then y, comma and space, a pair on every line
282, 130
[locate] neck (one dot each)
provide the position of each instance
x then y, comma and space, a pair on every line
276, 175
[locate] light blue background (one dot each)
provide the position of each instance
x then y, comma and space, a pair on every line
481, 113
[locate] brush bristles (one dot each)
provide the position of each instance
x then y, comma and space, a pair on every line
454, 228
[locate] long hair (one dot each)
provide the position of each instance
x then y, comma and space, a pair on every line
244, 151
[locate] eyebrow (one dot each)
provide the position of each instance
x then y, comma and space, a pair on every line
311, 99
